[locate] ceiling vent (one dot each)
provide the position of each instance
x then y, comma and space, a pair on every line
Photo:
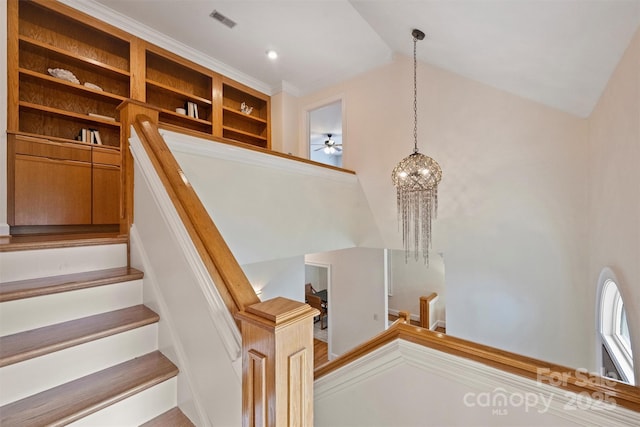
223, 19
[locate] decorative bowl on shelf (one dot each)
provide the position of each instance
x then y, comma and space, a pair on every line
63, 74
92, 86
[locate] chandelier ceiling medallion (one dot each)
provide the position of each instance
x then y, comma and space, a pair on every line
416, 179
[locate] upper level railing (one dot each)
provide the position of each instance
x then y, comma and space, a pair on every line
574, 380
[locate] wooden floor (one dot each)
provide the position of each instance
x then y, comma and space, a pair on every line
320, 353
393, 318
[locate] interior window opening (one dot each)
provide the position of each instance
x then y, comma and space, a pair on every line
617, 356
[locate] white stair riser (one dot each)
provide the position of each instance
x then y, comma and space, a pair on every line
20, 265
41, 373
136, 409
30, 313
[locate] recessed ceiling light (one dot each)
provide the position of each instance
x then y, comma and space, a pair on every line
272, 54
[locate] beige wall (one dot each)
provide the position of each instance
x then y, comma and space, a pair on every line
512, 224
408, 281
279, 278
614, 189
357, 303
284, 123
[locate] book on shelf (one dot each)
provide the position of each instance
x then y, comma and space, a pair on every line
91, 136
82, 135
96, 137
192, 109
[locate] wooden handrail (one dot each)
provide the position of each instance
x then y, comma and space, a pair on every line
425, 310
574, 380
224, 269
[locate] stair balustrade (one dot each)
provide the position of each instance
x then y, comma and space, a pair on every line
277, 335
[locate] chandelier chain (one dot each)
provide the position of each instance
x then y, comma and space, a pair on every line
415, 98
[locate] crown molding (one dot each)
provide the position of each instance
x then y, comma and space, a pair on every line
147, 33
288, 88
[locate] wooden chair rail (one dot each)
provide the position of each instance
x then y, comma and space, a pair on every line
201, 135
225, 271
571, 379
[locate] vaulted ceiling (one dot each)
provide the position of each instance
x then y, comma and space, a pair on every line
557, 52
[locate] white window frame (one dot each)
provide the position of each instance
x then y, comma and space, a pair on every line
620, 341
609, 311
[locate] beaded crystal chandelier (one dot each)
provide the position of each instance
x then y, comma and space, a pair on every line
416, 179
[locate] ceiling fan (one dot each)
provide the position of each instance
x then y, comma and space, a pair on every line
330, 147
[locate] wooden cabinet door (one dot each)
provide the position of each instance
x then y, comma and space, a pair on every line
51, 192
106, 194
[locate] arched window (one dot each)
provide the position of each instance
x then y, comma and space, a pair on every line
614, 331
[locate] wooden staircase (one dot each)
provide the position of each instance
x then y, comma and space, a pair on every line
76, 343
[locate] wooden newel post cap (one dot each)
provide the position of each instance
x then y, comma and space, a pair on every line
277, 363
405, 316
277, 312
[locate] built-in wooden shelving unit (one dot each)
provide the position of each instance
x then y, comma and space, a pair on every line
252, 128
75, 182
171, 83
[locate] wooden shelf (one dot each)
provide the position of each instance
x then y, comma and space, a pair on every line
50, 122
85, 91
172, 82
84, 117
39, 137
241, 132
178, 75
181, 129
184, 117
73, 57
186, 95
73, 34
238, 135
251, 128
234, 94
243, 115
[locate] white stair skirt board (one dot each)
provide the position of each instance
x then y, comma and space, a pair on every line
42, 373
136, 409
223, 320
20, 265
31, 313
